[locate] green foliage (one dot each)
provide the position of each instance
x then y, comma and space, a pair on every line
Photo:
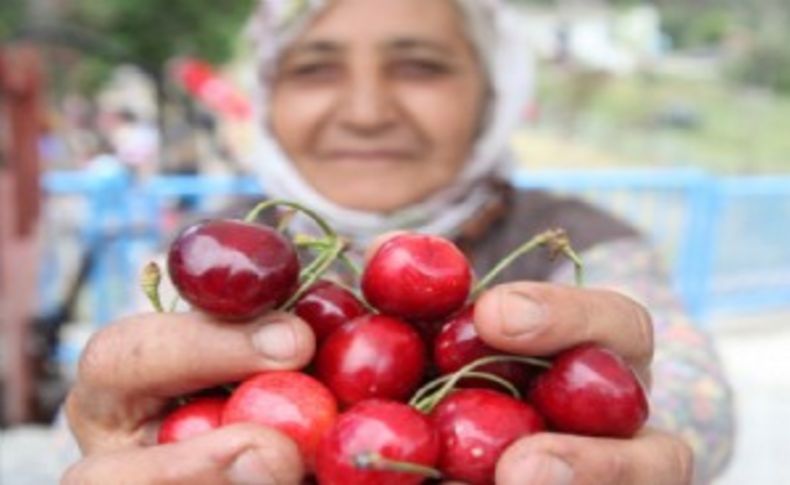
766, 65
696, 27
150, 32
11, 16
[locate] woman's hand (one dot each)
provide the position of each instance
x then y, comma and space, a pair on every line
132, 369
542, 319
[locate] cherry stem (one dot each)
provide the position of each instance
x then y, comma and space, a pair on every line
309, 242
433, 385
314, 264
253, 215
285, 220
354, 292
430, 402
325, 260
557, 241
150, 280
351, 265
374, 461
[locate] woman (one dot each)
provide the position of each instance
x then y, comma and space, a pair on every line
392, 114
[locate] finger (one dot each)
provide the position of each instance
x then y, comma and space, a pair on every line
243, 453
167, 355
542, 319
651, 458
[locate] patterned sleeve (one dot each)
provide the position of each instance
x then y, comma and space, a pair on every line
690, 394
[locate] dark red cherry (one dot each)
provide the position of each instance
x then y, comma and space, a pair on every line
192, 419
417, 277
590, 390
391, 430
475, 426
291, 402
373, 356
326, 306
232, 269
458, 344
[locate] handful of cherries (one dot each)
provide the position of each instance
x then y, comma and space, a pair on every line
402, 389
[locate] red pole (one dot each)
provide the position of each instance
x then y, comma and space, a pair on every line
20, 126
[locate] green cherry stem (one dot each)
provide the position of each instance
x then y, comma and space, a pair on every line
355, 269
325, 261
323, 245
253, 215
430, 402
150, 280
285, 220
354, 292
425, 390
374, 461
555, 239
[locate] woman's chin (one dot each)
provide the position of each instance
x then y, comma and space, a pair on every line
374, 199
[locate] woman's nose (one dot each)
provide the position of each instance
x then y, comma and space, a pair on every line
367, 105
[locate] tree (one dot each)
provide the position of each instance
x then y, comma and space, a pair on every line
151, 31
11, 17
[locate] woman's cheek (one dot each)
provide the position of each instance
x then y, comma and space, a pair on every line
298, 113
447, 112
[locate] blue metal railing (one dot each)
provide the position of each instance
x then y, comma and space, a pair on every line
708, 229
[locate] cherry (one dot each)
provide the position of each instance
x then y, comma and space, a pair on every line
372, 356
326, 306
366, 441
475, 426
291, 402
232, 269
192, 419
417, 277
590, 390
458, 344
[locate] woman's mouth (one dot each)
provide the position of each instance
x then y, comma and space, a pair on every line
368, 155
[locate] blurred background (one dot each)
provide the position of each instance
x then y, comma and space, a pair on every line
119, 119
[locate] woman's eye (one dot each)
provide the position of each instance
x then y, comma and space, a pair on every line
420, 69
313, 72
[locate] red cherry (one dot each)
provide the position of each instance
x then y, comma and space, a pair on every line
233, 269
390, 429
417, 277
458, 344
373, 356
475, 426
192, 419
291, 402
326, 306
590, 390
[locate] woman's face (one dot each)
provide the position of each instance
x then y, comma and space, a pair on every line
379, 102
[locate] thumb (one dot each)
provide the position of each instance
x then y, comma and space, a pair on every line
238, 454
652, 457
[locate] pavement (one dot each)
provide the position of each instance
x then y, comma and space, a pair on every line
755, 351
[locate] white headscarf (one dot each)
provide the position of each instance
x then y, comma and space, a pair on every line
503, 49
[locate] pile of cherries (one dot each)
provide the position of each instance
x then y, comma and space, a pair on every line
401, 389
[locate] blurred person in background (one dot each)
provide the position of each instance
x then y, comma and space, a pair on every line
396, 114
136, 142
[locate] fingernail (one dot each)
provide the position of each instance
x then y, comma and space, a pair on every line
545, 469
520, 314
276, 341
249, 468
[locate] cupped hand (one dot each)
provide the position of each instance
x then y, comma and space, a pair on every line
540, 319
129, 373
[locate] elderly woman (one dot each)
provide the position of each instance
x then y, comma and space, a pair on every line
395, 114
